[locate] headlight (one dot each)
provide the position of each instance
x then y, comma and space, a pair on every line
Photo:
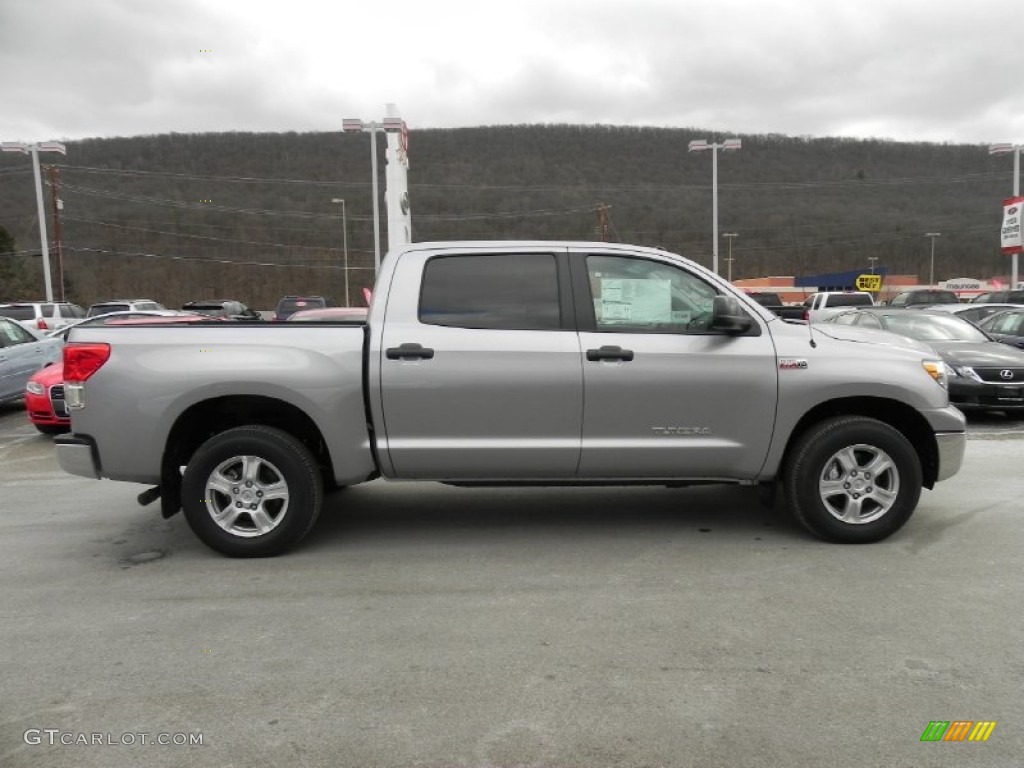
937, 370
966, 372
35, 388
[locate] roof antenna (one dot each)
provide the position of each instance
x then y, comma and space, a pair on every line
810, 331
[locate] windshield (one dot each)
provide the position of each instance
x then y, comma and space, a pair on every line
103, 309
932, 327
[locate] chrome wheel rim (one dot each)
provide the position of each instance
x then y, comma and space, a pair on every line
247, 496
859, 484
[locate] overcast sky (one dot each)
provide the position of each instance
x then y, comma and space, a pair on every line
941, 71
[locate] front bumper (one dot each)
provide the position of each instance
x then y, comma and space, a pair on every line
77, 455
951, 453
973, 395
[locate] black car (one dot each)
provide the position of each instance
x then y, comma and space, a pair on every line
923, 296
1000, 297
287, 306
983, 374
225, 308
1006, 326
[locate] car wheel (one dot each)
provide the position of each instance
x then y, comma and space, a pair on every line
853, 480
53, 429
251, 491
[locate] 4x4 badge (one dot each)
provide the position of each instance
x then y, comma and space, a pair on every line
789, 363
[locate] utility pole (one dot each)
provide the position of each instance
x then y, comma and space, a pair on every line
58, 205
603, 222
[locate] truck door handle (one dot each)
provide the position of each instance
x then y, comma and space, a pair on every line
609, 353
409, 352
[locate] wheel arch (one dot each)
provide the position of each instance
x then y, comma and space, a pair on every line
904, 418
202, 420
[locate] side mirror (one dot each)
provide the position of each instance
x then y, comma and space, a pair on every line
727, 315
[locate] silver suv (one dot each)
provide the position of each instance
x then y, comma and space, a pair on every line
124, 305
43, 315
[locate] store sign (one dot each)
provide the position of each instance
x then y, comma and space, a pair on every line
1010, 235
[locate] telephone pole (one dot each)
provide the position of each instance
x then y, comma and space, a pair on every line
603, 222
54, 173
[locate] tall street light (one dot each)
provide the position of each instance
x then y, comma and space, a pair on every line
730, 235
1002, 149
701, 145
355, 125
34, 150
931, 274
344, 240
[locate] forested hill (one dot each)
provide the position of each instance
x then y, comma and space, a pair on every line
249, 216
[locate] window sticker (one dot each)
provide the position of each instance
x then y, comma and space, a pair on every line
636, 301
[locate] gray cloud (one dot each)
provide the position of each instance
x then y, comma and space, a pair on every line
894, 69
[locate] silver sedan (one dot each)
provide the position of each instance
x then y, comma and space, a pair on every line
23, 351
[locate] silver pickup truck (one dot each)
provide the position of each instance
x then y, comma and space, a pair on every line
534, 363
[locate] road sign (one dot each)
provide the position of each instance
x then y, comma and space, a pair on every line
872, 283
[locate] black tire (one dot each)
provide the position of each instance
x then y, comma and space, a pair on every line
53, 429
276, 464
825, 480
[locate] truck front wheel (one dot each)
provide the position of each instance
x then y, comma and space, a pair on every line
251, 491
853, 480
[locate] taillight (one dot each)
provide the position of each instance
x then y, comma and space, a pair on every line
807, 315
82, 360
41, 325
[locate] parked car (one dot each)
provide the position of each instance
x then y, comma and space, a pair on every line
130, 305
227, 309
330, 314
766, 299
984, 374
921, 296
818, 306
42, 315
507, 363
23, 351
44, 400
290, 304
1006, 327
999, 297
973, 313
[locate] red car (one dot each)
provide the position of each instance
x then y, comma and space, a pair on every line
44, 400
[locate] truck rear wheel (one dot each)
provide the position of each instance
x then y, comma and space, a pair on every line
251, 491
853, 480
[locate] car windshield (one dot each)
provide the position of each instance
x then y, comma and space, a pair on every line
18, 313
103, 309
932, 327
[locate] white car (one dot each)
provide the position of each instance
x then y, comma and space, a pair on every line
42, 315
23, 351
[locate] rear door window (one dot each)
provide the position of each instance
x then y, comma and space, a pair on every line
497, 291
18, 313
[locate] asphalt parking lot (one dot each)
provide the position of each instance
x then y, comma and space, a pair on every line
421, 625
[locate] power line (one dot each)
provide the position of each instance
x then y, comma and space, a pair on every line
139, 254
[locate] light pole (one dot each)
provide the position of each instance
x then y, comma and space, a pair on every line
34, 150
344, 240
355, 125
931, 274
701, 145
390, 125
1002, 149
872, 259
730, 235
